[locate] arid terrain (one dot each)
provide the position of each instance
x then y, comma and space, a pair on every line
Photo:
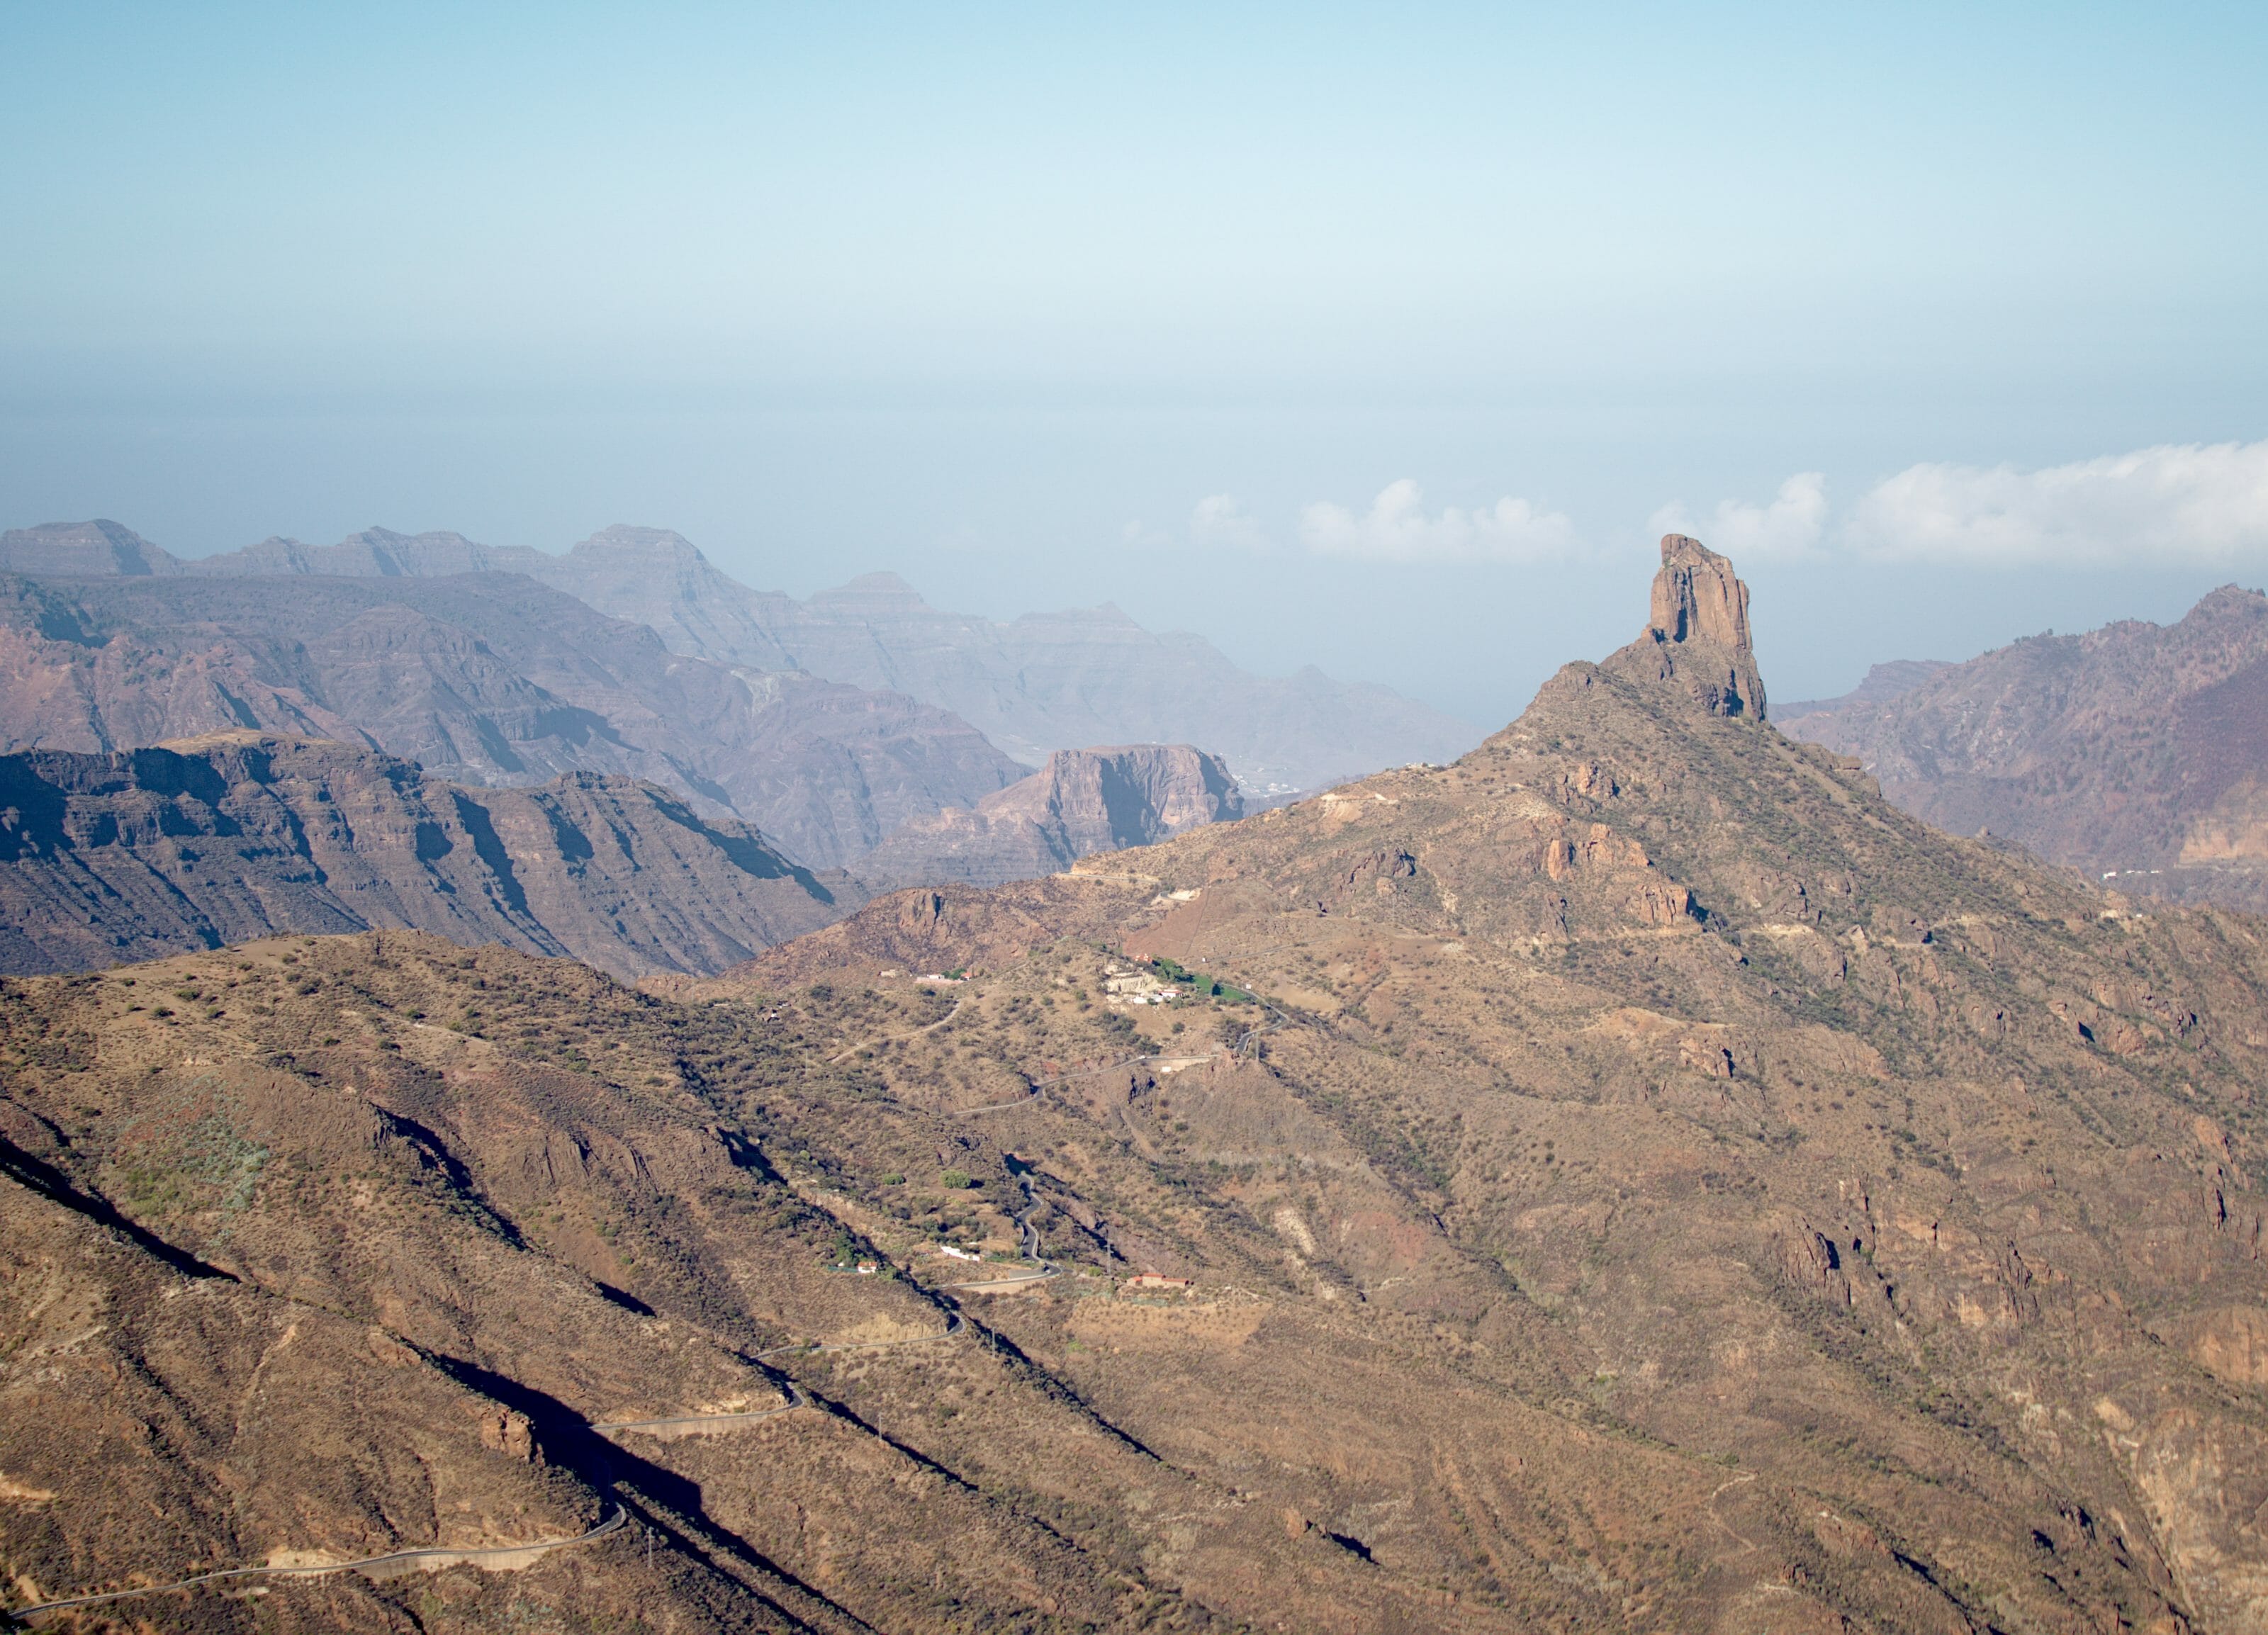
1635, 1178
487, 678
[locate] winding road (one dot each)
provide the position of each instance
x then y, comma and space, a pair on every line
864, 1044
614, 1523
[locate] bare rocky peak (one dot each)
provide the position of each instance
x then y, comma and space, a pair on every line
1125, 796
659, 578
236, 835
1723, 1058
81, 550
1697, 632
1083, 801
881, 593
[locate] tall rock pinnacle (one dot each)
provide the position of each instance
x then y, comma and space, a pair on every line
1698, 632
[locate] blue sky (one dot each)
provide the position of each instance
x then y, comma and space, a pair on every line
1382, 338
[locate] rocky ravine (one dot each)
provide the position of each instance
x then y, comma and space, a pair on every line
1082, 802
106, 858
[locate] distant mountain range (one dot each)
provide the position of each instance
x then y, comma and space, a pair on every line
240, 835
2138, 752
483, 678
1035, 685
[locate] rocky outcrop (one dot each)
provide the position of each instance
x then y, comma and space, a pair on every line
137, 854
1697, 634
483, 678
1082, 802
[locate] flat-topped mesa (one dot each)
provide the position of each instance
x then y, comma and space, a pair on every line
1698, 632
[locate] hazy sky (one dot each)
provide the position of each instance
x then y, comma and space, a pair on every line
1383, 338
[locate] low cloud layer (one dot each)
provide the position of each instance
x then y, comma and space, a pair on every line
2189, 501
1792, 526
2196, 503
1397, 528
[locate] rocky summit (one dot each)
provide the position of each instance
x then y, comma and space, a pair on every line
1635, 1178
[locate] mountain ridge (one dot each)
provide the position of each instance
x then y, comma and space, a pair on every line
1040, 682
1849, 1153
236, 836
484, 678
2137, 752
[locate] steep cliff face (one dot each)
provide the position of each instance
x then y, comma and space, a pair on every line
1037, 684
484, 678
134, 855
1697, 633
1082, 802
2138, 750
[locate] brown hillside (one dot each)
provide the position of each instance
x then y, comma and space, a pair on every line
1906, 1185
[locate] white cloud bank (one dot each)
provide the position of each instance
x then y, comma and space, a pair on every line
2191, 502
1219, 521
1397, 529
1790, 528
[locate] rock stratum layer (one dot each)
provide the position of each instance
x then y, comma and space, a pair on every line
1082, 802
2138, 750
107, 859
1663, 1186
